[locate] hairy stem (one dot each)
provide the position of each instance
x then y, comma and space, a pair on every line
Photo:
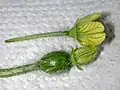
34, 36
17, 70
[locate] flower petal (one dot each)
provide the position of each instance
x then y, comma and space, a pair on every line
86, 54
91, 33
83, 55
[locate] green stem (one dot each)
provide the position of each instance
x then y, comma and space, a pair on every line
17, 70
34, 36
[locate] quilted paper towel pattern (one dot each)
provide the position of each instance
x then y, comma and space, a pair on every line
23, 17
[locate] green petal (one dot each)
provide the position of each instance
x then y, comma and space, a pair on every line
91, 33
88, 18
85, 55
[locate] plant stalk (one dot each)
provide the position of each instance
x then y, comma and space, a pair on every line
17, 70
34, 36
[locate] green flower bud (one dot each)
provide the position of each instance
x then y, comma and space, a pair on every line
88, 31
83, 55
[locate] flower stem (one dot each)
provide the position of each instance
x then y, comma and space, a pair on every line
17, 70
34, 36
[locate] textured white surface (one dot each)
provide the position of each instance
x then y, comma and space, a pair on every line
23, 17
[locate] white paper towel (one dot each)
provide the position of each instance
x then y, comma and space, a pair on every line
24, 17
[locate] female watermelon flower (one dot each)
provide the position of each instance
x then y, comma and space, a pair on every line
55, 62
87, 31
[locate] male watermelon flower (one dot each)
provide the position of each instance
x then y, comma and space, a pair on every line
87, 31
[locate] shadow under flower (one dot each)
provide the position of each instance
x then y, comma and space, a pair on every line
109, 28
